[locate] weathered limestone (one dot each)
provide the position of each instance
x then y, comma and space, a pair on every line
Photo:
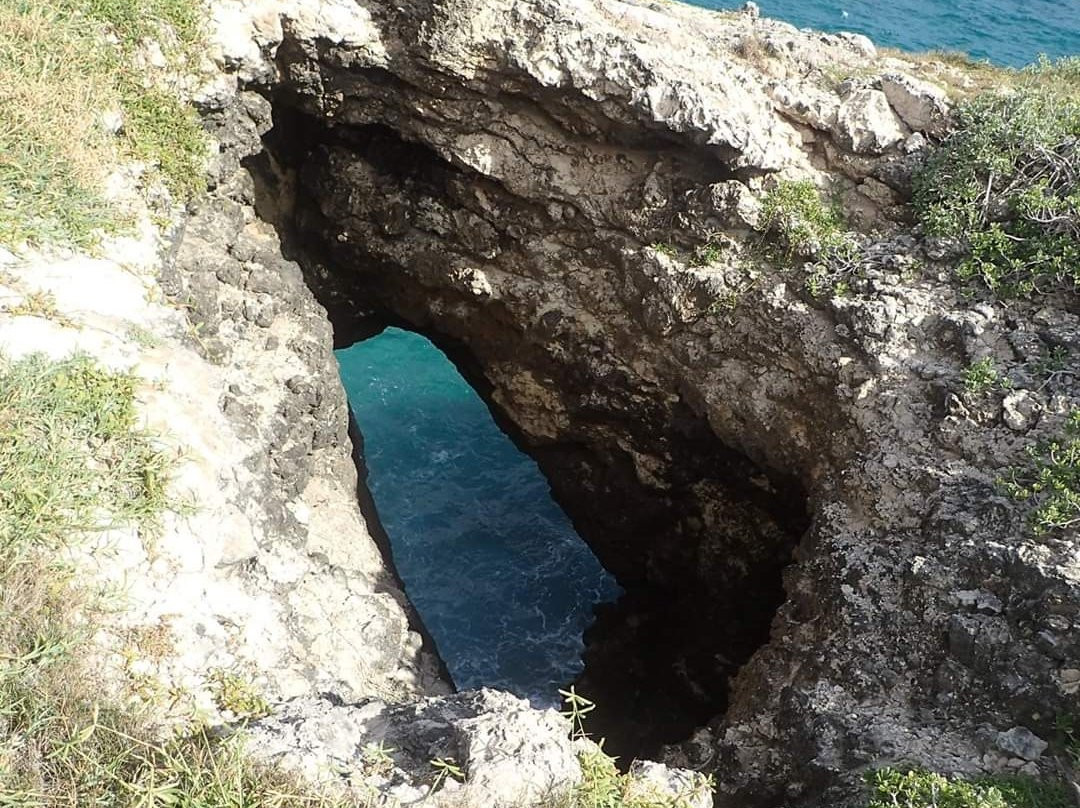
515, 756
924, 107
266, 572
796, 490
566, 190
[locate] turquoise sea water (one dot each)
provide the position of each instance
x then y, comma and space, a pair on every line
504, 584
1009, 32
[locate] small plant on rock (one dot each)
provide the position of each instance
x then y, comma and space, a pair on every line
1052, 480
603, 785
981, 377
1068, 729
377, 760
708, 253
809, 228
445, 768
804, 223
663, 248
235, 694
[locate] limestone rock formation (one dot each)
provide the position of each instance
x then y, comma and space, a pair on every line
514, 755
266, 573
797, 491
790, 486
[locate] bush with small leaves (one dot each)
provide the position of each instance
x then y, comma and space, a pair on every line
1006, 183
981, 377
806, 226
1052, 480
890, 788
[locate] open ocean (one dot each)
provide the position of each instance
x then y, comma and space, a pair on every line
503, 582
1008, 32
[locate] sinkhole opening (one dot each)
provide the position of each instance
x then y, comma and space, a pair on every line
501, 580
698, 542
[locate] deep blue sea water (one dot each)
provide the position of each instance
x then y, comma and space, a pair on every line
1009, 32
502, 581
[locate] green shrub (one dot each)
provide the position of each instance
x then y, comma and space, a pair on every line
981, 377
806, 226
234, 693
890, 788
1052, 480
1006, 183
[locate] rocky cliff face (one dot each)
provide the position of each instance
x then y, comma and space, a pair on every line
266, 576
795, 489
791, 487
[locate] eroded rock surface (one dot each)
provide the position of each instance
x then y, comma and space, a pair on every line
797, 491
565, 193
264, 575
515, 756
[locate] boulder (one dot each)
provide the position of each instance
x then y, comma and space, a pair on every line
924, 107
867, 124
509, 754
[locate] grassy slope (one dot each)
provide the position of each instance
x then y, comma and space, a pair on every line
72, 462
73, 105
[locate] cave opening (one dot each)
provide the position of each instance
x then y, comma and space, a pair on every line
503, 584
698, 547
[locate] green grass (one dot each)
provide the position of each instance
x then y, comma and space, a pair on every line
73, 460
1051, 481
64, 64
1006, 183
890, 788
167, 134
71, 455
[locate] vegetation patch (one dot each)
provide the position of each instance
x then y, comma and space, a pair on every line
811, 230
73, 105
806, 225
73, 460
237, 695
890, 788
1068, 731
1006, 183
959, 73
982, 376
1052, 480
603, 785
